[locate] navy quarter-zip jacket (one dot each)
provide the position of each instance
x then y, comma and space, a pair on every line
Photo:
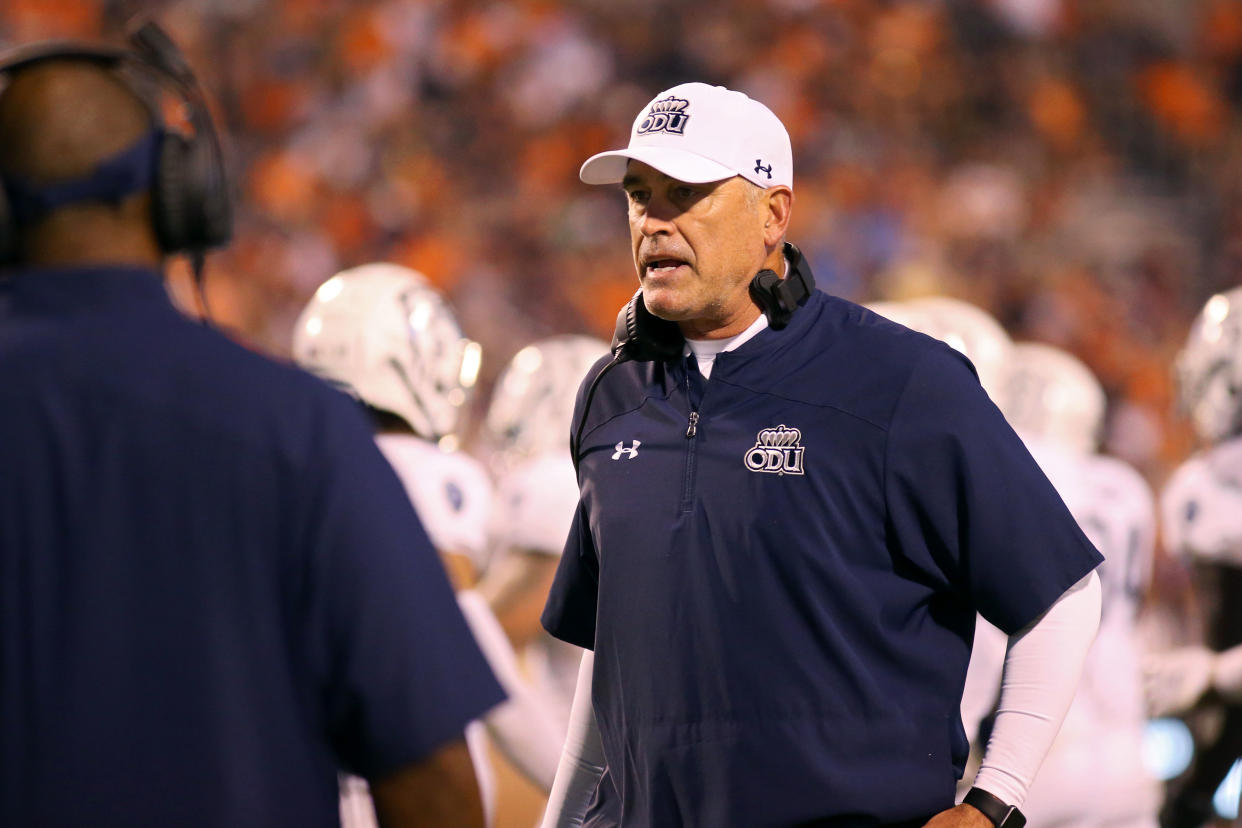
779, 569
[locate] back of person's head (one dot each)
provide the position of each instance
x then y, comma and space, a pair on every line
1209, 368
382, 333
88, 172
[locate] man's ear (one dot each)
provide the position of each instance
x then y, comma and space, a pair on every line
778, 206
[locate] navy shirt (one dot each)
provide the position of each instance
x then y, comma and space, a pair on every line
782, 598
213, 589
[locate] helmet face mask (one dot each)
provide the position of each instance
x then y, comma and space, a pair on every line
1208, 370
533, 400
1049, 393
385, 335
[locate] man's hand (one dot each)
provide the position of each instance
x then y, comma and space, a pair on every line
1174, 680
963, 816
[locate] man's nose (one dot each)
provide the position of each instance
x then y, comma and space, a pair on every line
658, 218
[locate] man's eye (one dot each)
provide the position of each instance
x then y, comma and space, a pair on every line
684, 193
637, 196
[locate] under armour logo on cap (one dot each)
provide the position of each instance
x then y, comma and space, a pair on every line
760, 168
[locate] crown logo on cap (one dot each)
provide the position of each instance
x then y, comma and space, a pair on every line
666, 115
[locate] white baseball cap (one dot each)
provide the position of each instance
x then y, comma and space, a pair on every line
698, 133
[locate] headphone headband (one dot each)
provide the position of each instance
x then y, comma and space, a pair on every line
191, 206
21, 56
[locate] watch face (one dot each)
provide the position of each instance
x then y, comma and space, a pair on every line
1013, 819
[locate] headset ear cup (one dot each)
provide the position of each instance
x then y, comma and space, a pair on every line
216, 205
632, 329
656, 338
625, 331
171, 204
192, 205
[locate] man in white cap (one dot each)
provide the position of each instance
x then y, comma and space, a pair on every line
790, 511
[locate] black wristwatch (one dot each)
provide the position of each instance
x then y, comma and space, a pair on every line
1002, 815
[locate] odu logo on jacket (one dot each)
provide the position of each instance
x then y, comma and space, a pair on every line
776, 451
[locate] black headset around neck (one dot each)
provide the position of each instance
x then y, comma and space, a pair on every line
191, 208
641, 336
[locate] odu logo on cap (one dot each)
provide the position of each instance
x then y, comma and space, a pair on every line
666, 115
776, 451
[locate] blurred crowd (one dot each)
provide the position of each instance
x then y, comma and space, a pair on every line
1073, 167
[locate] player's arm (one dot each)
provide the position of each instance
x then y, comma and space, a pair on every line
582, 760
1043, 664
440, 790
524, 727
516, 588
1175, 680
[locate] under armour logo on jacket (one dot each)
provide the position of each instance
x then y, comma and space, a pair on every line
760, 168
630, 453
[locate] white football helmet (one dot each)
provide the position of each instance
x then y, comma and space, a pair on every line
385, 335
533, 402
1209, 368
1050, 394
969, 330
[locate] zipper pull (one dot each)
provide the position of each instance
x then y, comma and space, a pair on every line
693, 428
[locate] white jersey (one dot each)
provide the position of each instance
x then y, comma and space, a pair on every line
1201, 504
451, 492
1093, 774
535, 505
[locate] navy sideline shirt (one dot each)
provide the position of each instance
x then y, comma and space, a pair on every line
782, 605
213, 589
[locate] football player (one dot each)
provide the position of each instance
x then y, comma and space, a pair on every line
527, 426
1200, 508
382, 333
1093, 775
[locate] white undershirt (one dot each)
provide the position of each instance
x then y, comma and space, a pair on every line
705, 350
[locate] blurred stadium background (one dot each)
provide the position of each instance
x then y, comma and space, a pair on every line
1073, 167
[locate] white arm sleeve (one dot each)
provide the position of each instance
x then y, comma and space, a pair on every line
582, 761
524, 727
1042, 668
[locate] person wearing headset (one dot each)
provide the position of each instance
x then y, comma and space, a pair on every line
214, 592
790, 511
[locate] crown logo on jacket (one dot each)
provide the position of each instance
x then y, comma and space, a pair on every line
777, 450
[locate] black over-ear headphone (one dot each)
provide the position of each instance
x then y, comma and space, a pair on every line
191, 208
642, 336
